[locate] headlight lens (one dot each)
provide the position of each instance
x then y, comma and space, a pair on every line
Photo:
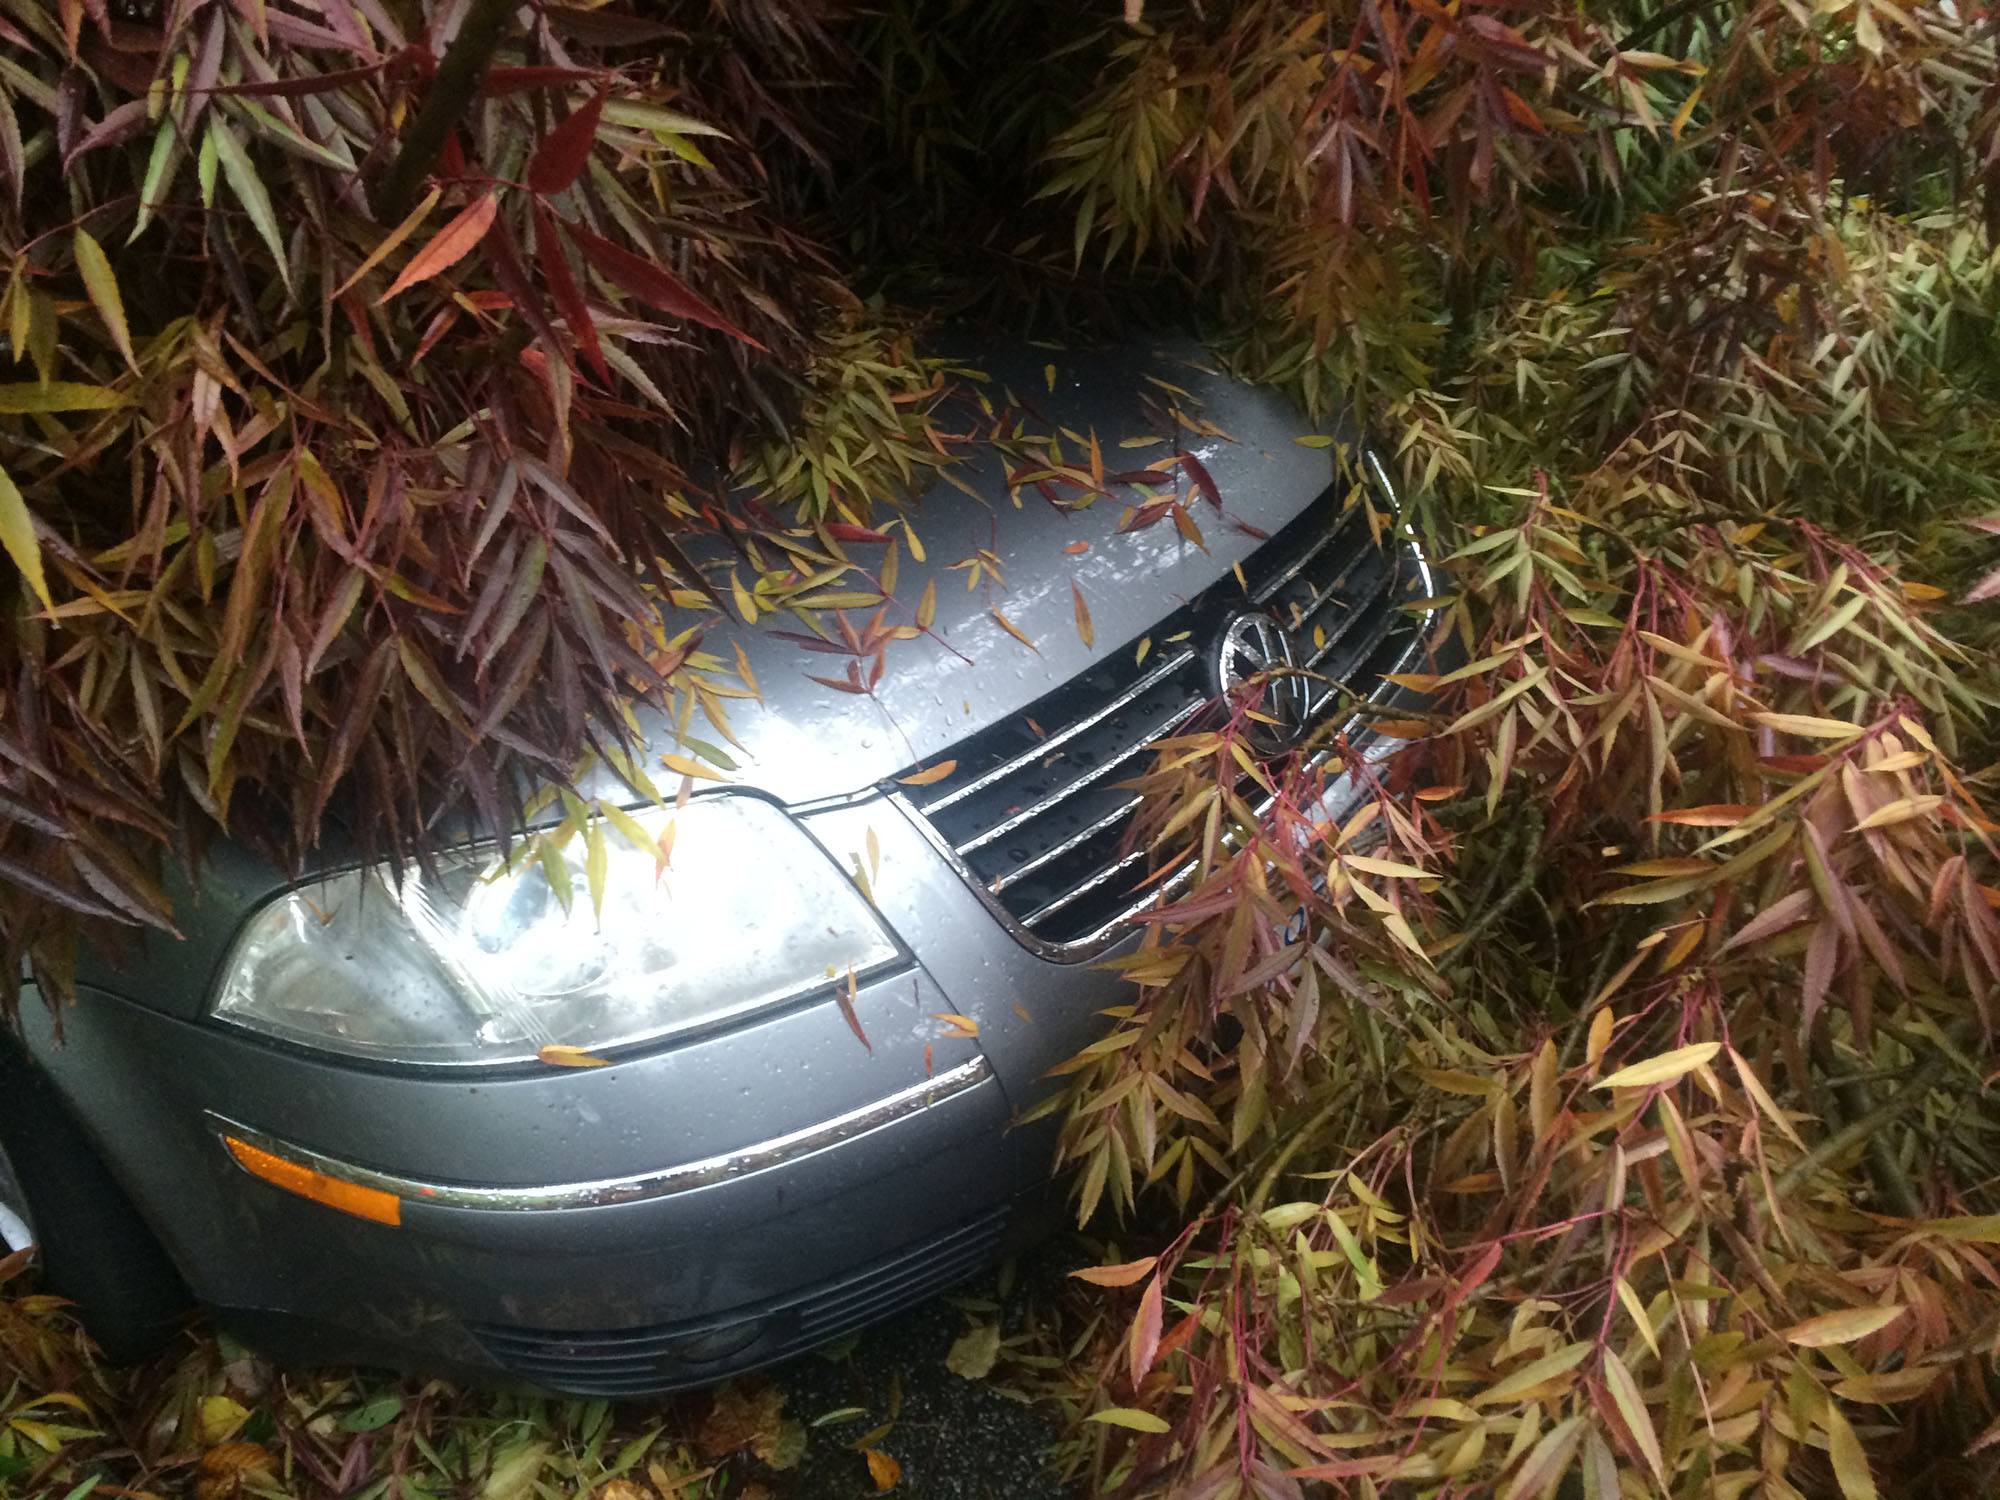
482, 965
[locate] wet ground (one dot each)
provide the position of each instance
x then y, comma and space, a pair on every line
954, 1438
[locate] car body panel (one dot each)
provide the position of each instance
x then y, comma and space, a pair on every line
806, 742
155, 1082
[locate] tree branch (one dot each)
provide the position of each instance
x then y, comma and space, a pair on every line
455, 86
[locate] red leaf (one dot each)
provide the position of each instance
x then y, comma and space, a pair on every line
449, 246
559, 159
848, 532
1203, 480
654, 285
518, 80
1145, 1342
562, 286
844, 994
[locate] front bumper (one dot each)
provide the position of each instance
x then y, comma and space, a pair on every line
685, 1213
677, 1216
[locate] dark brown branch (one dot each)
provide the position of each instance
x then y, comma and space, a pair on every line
455, 86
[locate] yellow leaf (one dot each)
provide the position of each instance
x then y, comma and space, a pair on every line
1126, 1416
963, 1026
1083, 626
102, 285
1754, 1087
557, 1055
883, 1469
929, 774
218, 1418
1901, 761
1632, 1408
1640, 1319
689, 767
1843, 1327
1385, 867
1012, 629
1850, 1462
1902, 810
927, 606
394, 238
1889, 1386
17, 535
32, 397
1600, 1035
1662, 1069
1539, 1372
1807, 727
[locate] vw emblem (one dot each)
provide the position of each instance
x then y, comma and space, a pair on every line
1254, 644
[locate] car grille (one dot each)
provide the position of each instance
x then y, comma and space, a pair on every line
1036, 809
641, 1361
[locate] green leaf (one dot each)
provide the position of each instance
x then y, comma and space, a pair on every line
1127, 1416
596, 863
1540, 1372
643, 116
102, 284
1632, 1409
161, 169
34, 397
373, 1414
17, 534
249, 190
974, 1352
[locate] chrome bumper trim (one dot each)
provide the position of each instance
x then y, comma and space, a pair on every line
642, 1187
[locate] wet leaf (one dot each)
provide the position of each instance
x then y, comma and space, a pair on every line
560, 1055
884, 1470
1666, 1068
102, 286
451, 244
973, 1353
17, 535
1127, 1416
1843, 1327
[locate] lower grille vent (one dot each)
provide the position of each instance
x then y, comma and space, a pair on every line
666, 1356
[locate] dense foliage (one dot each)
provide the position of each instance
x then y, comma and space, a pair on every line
1622, 1121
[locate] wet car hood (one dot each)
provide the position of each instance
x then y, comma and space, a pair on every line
806, 741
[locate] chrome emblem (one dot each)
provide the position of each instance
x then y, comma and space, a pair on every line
1254, 645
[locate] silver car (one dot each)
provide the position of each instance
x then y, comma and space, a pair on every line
333, 1113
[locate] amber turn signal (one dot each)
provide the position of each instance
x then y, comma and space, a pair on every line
347, 1197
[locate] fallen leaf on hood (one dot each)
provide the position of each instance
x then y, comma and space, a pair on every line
559, 1056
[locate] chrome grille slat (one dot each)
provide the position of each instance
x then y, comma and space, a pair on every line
1124, 810
1046, 852
1359, 611
1076, 893
1291, 570
1055, 741
1070, 788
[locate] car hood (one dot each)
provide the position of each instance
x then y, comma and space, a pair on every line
802, 741
998, 643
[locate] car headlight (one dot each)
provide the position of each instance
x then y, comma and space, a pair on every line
478, 964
